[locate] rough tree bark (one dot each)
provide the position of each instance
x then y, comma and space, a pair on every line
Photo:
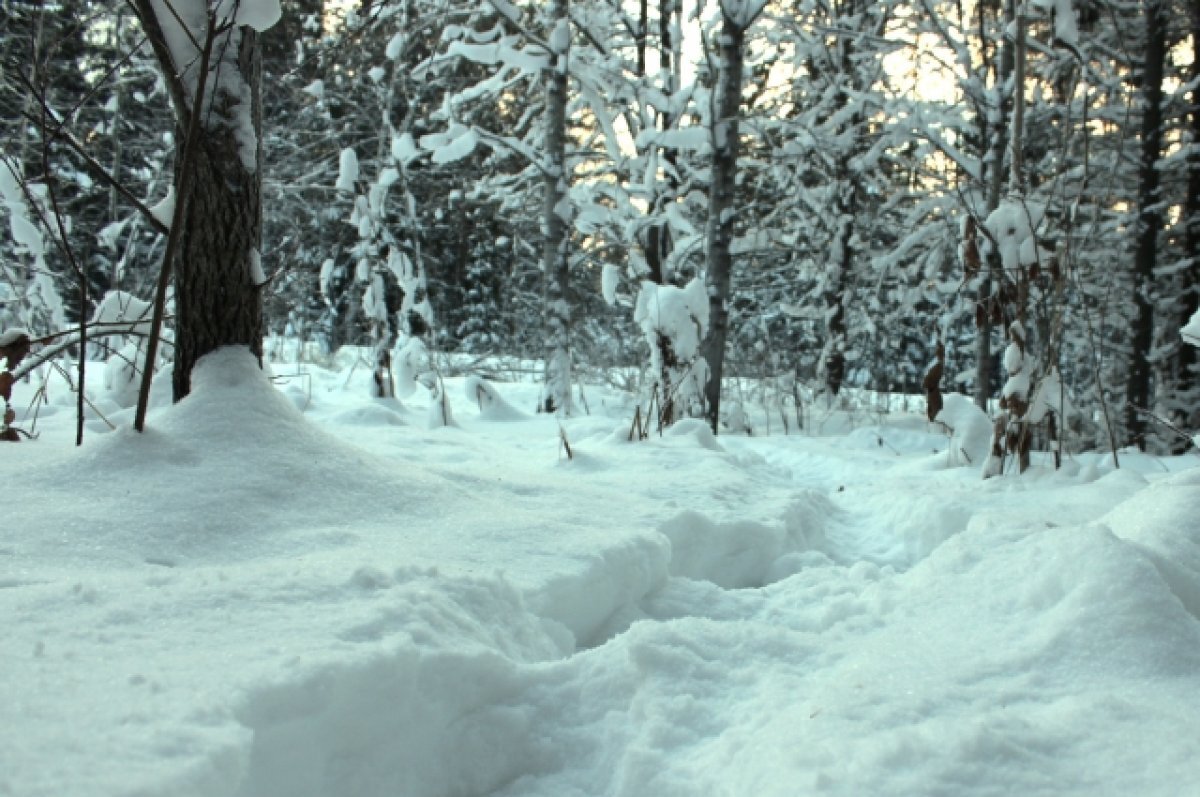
218, 300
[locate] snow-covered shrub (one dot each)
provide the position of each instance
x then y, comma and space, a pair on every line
14, 345
674, 321
969, 428
122, 376
412, 361
35, 301
1012, 240
492, 406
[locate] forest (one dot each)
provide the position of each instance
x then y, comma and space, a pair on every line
599, 399
996, 198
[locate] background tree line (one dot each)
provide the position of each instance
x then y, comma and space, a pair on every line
854, 184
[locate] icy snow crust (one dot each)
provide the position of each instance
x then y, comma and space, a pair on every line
249, 602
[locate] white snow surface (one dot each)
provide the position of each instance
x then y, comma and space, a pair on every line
296, 590
1191, 332
257, 14
347, 170
1013, 225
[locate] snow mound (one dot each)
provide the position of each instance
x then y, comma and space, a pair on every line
492, 406
381, 412
437, 654
970, 431
238, 464
1163, 523
694, 430
745, 553
604, 586
730, 555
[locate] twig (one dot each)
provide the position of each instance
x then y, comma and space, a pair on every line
566, 444
1172, 428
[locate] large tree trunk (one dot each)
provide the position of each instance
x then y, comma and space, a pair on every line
217, 302
556, 391
719, 233
218, 219
1137, 392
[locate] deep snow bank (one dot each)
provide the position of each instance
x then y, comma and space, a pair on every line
240, 605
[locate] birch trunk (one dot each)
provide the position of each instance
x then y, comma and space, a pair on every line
996, 132
556, 390
719, 233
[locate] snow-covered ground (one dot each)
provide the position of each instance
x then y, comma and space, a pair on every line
297, 591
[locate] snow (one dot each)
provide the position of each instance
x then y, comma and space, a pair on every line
121, 307
1191, 332
404, 149
251, 600
1065, 27
1013, 225
325, 280
163, 211
681, 314
456, 143
969, 427
25, 234
186, 25
259, 14
347, 170
395, 46
560, 37
315, 89
10, 336
528, 61
684, 139
610, 279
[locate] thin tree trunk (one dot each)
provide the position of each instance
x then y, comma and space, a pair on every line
658, 243
719, 233
836, 284
1137, 393
997, 125
556, 392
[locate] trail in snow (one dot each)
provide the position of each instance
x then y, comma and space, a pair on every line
239, 604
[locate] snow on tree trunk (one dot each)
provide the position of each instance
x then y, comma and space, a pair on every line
218, 271
987, 286
556, 214
719, 235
